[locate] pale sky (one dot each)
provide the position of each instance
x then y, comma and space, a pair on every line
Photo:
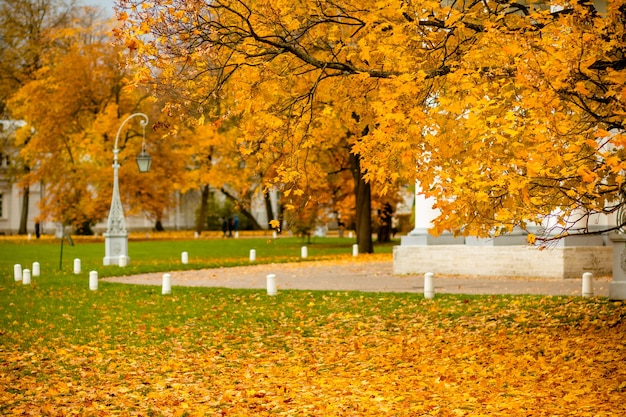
107, 5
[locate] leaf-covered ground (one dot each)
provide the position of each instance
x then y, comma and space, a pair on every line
127, 350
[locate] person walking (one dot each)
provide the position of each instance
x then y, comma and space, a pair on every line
224, 226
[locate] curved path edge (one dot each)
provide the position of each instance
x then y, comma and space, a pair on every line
373, 276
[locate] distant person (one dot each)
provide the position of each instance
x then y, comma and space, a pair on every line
231, 224
236, 223
224, 226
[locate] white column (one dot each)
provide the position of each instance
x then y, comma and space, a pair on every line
425, 214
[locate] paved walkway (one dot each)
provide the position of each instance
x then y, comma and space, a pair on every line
362, 276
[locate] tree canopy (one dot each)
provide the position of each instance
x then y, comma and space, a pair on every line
505, 112
72, 103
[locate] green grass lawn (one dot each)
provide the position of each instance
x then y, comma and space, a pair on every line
165, 255
128, 350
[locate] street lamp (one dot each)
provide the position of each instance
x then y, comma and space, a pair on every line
116, 236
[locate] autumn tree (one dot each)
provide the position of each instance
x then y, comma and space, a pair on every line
211, 151
505, 112
73, 106
25, 26
241, 147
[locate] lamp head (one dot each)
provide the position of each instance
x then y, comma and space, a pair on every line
144, 161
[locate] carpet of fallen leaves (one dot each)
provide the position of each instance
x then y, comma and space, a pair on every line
317, 354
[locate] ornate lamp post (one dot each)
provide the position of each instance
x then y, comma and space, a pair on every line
116, 237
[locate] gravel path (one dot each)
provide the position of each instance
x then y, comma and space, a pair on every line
361, 276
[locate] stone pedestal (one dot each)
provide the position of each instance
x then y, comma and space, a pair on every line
617, 288
115, 246
420, 237
515, 238
513, 261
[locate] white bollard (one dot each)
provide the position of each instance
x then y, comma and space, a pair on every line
429, 286
93, 280
17, 272
304, 252
271, 284
184, 257
237, 234
77, 266
274, 234
166, 287
36, 269
350, 235
123, 261
29, 236
587, 284
355, 250
26, 277
252, 255
195, 235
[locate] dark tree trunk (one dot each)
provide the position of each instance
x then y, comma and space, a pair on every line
363, 194
384, 226
24, 215
203, 212
268, 207
255, 224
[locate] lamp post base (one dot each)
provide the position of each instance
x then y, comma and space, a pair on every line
116, 249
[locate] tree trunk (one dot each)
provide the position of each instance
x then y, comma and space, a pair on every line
363, 194
242, 210
24, 216
203, 212
268, 207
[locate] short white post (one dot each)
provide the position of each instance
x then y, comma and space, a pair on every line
304, 252
26, 277
271, 284
77, 266
274, 234
252, 255
350, 234
184, 257
36, 269
587, 284
123, 261
195, 235
355, 250
17, 272
93, 280
166, 287
29, 236
236, 234
429, 286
